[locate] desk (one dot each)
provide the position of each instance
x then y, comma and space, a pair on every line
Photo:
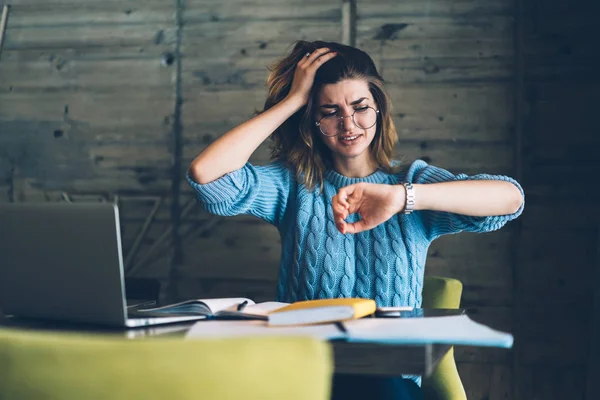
349, 358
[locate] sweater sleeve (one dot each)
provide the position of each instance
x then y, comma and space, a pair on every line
438, 223
259, 191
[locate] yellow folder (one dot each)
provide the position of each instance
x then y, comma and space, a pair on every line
322, 311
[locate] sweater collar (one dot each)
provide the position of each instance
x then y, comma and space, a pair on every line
339, 180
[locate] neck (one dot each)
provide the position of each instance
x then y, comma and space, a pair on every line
355, 167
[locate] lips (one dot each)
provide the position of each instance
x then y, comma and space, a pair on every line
349, 138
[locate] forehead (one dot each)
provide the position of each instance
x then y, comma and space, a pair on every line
343, 92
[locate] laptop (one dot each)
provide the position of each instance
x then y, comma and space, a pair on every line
63, 262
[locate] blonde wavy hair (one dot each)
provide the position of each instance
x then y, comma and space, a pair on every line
295, 142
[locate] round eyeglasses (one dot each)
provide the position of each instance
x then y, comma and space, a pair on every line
332, 124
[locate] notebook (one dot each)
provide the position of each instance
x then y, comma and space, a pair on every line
63, 262
321, 311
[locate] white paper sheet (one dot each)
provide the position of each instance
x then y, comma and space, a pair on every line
264, 308
456, 330
219, 328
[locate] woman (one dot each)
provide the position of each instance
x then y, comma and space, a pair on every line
353, 222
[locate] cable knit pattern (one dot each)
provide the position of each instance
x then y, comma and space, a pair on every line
347, 282
332, 248
381, 270
386, 263
312, 249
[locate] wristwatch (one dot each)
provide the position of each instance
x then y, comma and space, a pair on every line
409, 205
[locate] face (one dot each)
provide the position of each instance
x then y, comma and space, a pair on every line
342, 99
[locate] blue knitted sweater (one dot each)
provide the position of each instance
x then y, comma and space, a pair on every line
386, 263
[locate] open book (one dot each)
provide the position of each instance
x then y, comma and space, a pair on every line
235, 307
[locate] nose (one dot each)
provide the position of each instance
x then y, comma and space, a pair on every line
347, 123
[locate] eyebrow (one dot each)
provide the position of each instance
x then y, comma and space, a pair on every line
355, 102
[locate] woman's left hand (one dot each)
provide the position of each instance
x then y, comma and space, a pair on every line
376, 203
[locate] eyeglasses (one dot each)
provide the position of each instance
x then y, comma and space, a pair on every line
332, 124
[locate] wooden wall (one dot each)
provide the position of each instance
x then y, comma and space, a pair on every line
111, 100
559, 53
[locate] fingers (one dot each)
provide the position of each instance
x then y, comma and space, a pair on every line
344, 203
322, 59
339, 208
340, 212
316, 58
342, 198
356, 227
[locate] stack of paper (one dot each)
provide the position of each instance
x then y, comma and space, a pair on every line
455, 330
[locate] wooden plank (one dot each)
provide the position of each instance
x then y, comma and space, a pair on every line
562, 69
435, 71
474, 259
542, 216
57, 72
480, 106
551, 382
423, 26
557, 8
214, 35
36, 14
593, 362
465, 8
580, 24
545, 264
234, 239
84, 36
486, 380
221, 106
545, 191
560, 108
3, 21
469, 158
501, 387
87, 54
76, 25
202, 11
549, 46
486, 296
476, 379
189, 288
87, 3
476, 48
127, 107
553, 334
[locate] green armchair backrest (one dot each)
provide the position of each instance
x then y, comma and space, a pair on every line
43, 365
444, 383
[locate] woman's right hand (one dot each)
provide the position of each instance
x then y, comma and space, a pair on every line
304, 76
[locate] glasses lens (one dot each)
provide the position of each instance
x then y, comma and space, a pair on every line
330, 125
364, 118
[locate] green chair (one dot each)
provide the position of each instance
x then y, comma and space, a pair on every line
444, 383
44, 365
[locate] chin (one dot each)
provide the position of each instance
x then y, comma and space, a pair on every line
350, 153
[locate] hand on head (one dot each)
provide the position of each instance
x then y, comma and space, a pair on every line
304, 76
375, 203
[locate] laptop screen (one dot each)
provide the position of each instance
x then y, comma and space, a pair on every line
62, 261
